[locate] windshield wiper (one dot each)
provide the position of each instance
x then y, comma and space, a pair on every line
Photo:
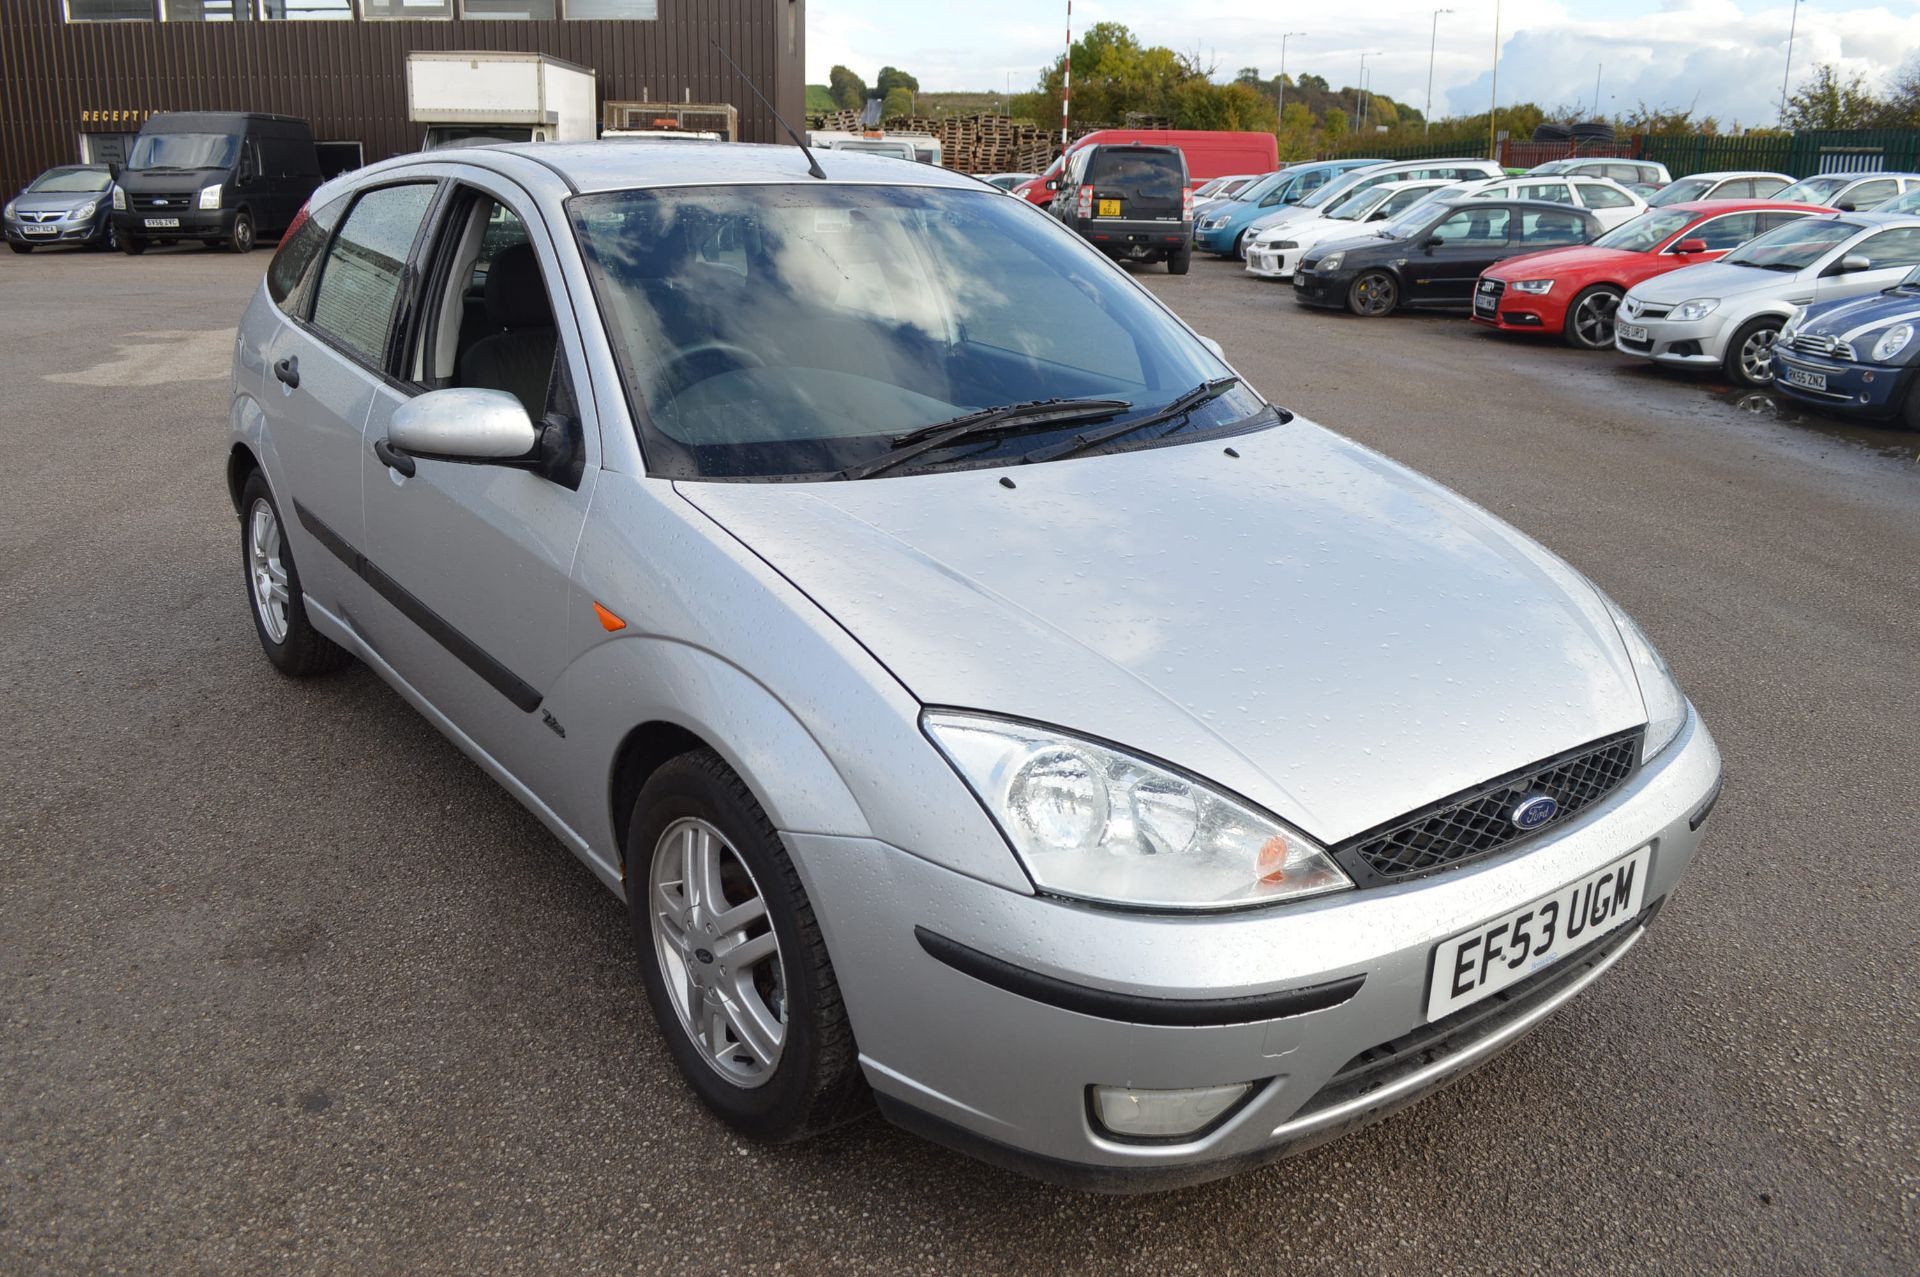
1014, 416
1204, 393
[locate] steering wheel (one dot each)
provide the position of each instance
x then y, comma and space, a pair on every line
740, 355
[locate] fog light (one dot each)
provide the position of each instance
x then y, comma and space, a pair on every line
1137, 1114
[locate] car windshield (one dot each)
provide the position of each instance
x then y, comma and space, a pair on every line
788, 330
1357, 205
1687, 188
1334, 189
1795, 246
184, 150
1814, 190
70, 181
1645, 232
1908, 203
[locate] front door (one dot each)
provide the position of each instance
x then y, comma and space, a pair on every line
1890, 255
1470, 240
472, 601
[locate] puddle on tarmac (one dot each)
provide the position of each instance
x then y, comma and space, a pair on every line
1886, 440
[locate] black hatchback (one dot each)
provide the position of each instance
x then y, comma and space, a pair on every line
1130, 201
1431, 254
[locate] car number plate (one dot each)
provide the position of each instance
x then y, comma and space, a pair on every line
1506, 950
1811, 380
1632, 332
40, 230
1483, 304
163, 221
1109, 208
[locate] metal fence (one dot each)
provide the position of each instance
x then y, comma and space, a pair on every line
1795, 154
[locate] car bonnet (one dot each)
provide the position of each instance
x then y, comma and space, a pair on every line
1307, 624
1711, 279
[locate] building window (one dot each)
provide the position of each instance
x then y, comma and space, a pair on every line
423, 10
206, 10
109, 10
306, 10
524, 10
590, 10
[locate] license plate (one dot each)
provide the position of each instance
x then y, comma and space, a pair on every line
163, 222
1506, 950
1109, 208
1632, 332
40, 230
1483, 305
1811, 380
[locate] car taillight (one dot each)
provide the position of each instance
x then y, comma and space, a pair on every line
299, 220
1186, 205
1086, 201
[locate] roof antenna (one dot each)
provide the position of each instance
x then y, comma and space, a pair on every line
813, 165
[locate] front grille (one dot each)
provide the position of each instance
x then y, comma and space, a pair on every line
1488, 295
1478, 822
1820, 344
162, 201
40, 217
1644, 310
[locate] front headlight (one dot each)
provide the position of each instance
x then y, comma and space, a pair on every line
1331, 261
1091, 822
1213, 223
1892, 342
119, 199
1699, 308
1533, 286
210, 196
1666, 707
85, 211
1282, 245
1792, 326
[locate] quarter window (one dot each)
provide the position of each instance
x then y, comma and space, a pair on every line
1594, 195
299, 250
360, 277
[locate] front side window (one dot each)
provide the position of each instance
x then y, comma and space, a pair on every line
71, 181
1729, 232
1474, 228
767, 331
1869, 194
1795, 247
1814, 190
1897, 247
360, 278
184, 151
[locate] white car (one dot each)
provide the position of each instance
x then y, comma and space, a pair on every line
1612, 167
1347, 184
1273, 251
1610, 202
1736, 184
1729, 313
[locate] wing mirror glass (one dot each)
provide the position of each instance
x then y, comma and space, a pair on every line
1219, 352
1691, 246
1432, 242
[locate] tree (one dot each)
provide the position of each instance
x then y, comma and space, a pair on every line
899, 102
1337, 121
1825, 101
1317, 83
1250, 76
1900, 109
849, 90
891, 78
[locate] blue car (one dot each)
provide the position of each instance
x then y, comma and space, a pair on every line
1859, 357
1220, 228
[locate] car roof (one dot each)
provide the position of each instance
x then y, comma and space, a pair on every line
630, 165
1721, 175
1741, 206
1858, 177
1876, 219
1472, 202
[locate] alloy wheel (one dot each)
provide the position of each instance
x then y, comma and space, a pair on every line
1374, 294
1593, 318
1756, 356
718, 955
267, 570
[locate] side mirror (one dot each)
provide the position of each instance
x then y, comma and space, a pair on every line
1846, 206
1687, 246
1053, 184
1431, 242
457, 425
113, 169
1219, 352
1855, 262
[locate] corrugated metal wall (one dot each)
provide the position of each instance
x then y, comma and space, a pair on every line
349, 79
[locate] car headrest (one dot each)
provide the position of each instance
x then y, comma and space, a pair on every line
516, 295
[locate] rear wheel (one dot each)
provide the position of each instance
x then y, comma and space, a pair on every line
19, 247
1374, 293
273, 587
735, 967
1590, 318
1180, 261
1750, 353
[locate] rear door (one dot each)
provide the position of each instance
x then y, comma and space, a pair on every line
1137, 184
1471, 239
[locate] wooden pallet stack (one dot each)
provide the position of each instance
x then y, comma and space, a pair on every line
968, 143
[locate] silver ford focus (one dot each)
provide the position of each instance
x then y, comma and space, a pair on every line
989, 706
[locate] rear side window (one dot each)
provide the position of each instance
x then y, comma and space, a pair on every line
1149, 174
299, 250
1768, 187
1552, 192
361, 273
1542, 229
1867, 194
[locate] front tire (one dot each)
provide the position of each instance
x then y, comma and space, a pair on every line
1750, 354
242, 239
279, 609
132, 245
1590, 318
18, 247
734, 963
1373, 294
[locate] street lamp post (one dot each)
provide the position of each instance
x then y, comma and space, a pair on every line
1433, 45
1493, 99
1793, 25
1280, 100
1360, 90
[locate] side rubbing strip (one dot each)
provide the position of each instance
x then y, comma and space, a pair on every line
524, 695
1134, 1008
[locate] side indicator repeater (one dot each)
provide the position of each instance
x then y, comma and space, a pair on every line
608, 620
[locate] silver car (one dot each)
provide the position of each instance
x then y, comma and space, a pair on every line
988, 705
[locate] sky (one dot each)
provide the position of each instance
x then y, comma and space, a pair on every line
1723, 58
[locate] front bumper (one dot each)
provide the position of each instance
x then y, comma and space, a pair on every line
1867, 390
216, 223
1219, 240
1517, 312
76, 231
1005, 1075
1699, 344
1312, 288
1272, 263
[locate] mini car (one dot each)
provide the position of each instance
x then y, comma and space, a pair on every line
1855, 357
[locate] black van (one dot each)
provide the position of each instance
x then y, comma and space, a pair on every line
1130, 201
221, 177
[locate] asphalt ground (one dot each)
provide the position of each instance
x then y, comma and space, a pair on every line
288, 985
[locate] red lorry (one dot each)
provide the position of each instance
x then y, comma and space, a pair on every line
1209, 155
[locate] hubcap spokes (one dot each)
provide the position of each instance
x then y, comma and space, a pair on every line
1757, 357
718, 955
1595, 321
267, 570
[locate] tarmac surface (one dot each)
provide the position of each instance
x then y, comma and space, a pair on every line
288, 985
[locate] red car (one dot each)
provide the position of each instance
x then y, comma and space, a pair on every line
1574, 291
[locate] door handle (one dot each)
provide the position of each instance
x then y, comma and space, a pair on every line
394, 459
288, 371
